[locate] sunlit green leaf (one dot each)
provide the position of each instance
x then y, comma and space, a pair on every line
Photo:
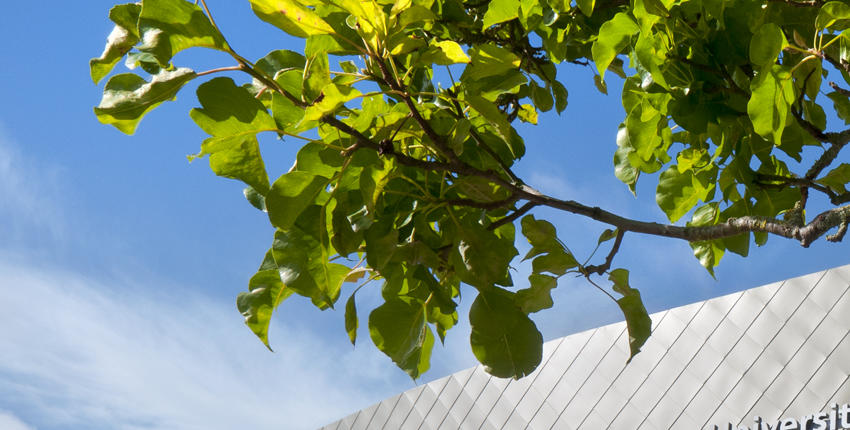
613, 37
266, 292
333, 96
586, 6
167, 27
124, 36
291, 16
444, 53
837, 178
233, 117
770, 103
832, 14
676, 193
500, 11
290, 195
766, 44
128, 97
302, 260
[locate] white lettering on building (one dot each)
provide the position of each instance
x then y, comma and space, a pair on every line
837, 418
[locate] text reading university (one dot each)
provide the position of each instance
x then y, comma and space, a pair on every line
837, 418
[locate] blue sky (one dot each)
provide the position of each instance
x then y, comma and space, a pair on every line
120, 261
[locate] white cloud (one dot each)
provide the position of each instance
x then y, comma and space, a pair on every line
29, 193
79, 353
9, 421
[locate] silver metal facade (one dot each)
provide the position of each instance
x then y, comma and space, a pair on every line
777, 351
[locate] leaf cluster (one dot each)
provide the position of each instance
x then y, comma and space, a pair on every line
407, 109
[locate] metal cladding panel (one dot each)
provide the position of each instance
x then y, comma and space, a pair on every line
781, 351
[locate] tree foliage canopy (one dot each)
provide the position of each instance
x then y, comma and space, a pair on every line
406, 111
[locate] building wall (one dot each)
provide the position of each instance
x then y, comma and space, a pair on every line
780, 351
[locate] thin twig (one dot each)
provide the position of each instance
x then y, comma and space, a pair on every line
602, 268
220, 69
512, 217
209, 15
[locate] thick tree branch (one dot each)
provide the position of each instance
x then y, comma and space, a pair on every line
498, 204
806, 234
785, 181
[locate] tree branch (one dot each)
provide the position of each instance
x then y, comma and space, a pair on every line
439, 141
602, 268
512, 217
806, 3
806, 234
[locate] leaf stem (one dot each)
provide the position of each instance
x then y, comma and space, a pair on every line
220, 69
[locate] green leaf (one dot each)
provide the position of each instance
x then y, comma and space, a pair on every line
167, 27
586, 6
290, 195
499, 11
539, 295
124, 36
606, 235
541, 235
841, 104
708, 253
676, 193
237, 157
317, 76
233, 117
600, 84
837, 178
280, 61
291, 16
351, 321
486, 255
128, 97
381, 241
444, 53
638, 322
769, 106
623, 169
491, 113
489, 60
560, 93
541, 97
399, 330
256, 199
527, 113
766, 44
503, 338
556, 262
318, 159
480, 189
832, 13
333, 97
302, 260
266, 293
614, 35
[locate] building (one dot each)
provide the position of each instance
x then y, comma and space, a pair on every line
776, 357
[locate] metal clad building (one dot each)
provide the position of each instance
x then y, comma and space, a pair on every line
770, 358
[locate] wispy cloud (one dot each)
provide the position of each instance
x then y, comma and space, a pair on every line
9, 421
29, 194
82, 353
